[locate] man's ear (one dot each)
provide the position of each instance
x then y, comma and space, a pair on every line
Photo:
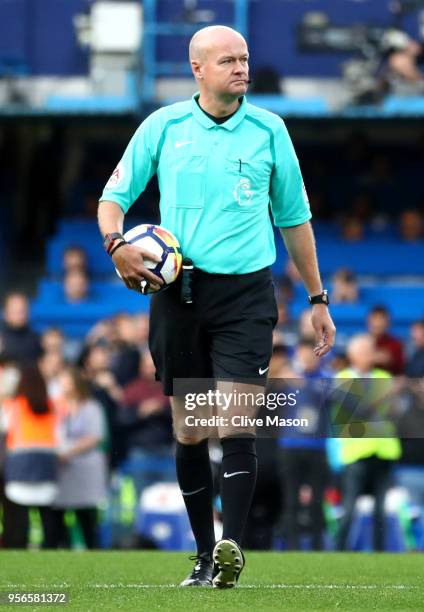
196, 68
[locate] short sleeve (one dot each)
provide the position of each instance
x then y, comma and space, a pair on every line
137, 165
94, 421
289, 201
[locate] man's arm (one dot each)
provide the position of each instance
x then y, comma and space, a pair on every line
111, 218
128, 259
128, 181
300, 244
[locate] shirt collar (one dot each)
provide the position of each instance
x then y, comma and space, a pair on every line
208, 123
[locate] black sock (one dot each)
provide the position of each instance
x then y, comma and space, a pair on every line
195, 479
239, 455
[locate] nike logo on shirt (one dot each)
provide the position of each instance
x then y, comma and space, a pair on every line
183, 143
263, 370
227, 475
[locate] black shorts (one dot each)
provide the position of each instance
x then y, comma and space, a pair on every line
225, 334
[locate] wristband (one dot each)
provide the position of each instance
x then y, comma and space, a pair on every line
115, 247
110, 239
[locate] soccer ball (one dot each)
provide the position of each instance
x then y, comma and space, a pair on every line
161, 242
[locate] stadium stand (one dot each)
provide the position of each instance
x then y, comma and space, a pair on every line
363, 160
391, 273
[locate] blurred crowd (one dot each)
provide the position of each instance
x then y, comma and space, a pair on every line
353, 178
77, 411
74, 412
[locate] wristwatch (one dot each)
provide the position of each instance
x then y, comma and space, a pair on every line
111, 240
322, 298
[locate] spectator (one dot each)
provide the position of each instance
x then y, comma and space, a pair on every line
146, 414
52, 340
103, 332
52, 365
411, 225
303, 453
306, 363
82, 472
277, 338
280, 365
96, 364
74, 258
17, 339
352, 229
345, 287
141, 331
338, 362
306, 330
367, 461
125, 354
9, 379
266, 503
30, 461
415, 363
76, 287
284, 289
410, 428
286, 326
389, 350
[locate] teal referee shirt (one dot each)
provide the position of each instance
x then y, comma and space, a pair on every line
219, 184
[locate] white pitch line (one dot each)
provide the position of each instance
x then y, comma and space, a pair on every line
121, 585
264, 586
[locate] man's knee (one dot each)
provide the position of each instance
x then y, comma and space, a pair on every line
190, 439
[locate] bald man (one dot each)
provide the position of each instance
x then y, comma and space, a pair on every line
367, 461
222, 164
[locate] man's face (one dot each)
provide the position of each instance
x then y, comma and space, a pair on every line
76, 286
74, 259
417, 334
16, 311
224, 69
378, 323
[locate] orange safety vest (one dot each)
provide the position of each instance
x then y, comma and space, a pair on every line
27, 430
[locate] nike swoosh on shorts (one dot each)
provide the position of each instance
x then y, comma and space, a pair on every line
227, 475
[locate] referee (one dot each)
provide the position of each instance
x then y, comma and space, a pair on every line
227, 170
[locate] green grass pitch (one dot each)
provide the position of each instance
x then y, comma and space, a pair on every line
279, 581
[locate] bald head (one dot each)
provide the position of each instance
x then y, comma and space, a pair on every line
212, 37
361, 352
220, 62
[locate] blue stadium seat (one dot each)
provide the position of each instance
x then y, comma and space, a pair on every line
379, 255
98, 261
110, 291
77, 319
361, 531
85, 234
